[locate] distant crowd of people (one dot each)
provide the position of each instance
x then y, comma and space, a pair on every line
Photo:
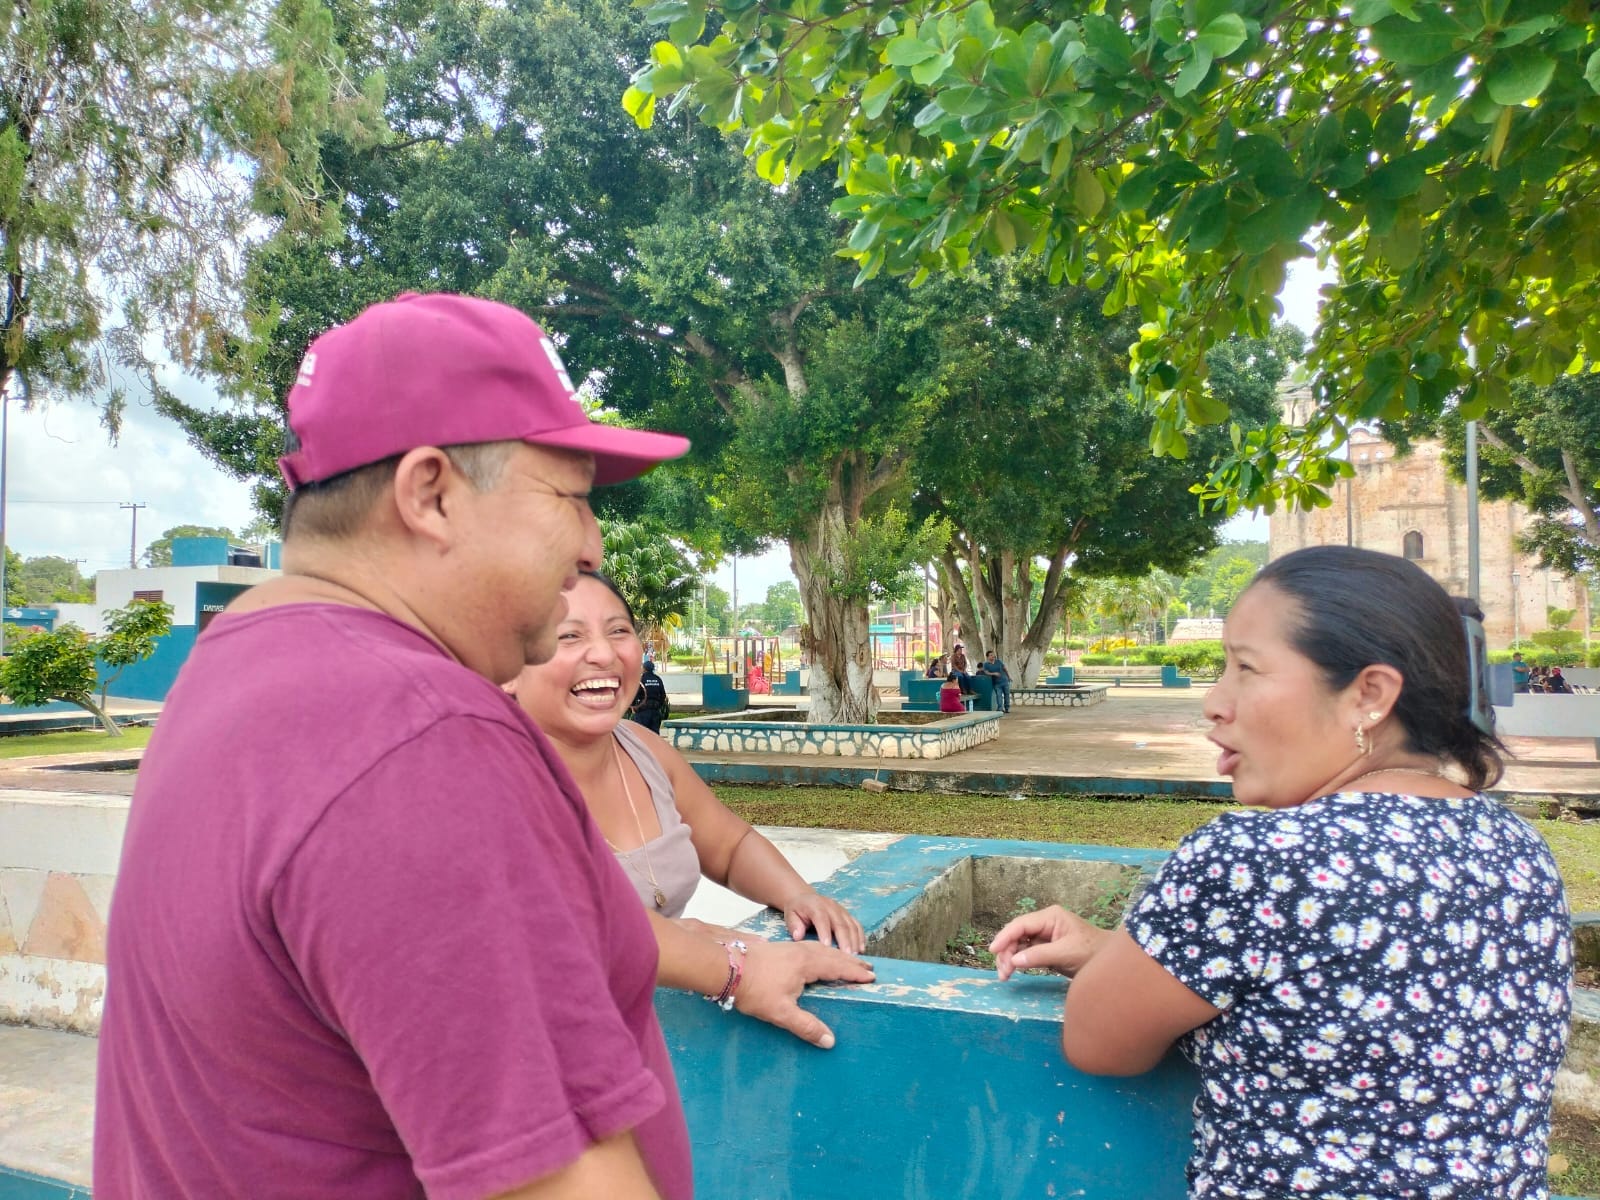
954, 670
1548, 680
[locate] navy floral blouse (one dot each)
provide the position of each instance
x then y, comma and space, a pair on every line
1394, 975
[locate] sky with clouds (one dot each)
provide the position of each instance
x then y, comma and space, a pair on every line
65, 480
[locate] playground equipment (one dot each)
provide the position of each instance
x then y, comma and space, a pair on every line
753, 660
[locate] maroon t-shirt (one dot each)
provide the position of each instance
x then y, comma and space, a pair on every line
365, 940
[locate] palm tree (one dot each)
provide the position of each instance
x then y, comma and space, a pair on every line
652, 571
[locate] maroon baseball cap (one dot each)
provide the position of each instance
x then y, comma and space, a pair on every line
445, 370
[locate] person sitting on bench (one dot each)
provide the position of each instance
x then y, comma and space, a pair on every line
950, 698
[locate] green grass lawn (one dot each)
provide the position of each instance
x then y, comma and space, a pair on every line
76, 741
1152, 824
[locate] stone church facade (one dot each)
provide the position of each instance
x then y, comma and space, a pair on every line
1410, 506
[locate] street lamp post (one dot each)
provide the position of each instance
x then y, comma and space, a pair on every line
1516, 627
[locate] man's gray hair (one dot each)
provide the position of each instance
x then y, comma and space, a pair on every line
338, 507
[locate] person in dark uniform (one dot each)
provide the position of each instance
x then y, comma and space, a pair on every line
650, 706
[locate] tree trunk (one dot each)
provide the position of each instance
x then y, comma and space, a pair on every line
837, 636
999, 602
88, 705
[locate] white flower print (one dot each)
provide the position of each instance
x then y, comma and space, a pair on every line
1382, 973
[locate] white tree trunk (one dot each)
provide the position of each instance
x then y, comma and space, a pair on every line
838, 635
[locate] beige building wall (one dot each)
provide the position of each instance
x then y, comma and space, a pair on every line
1410, 506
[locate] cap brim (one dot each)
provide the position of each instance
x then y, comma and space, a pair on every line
619, 454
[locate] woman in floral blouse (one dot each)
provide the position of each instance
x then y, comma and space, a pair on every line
1373, 974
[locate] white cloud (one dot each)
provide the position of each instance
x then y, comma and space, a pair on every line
66, 479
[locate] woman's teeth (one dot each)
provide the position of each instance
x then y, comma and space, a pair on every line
599, 693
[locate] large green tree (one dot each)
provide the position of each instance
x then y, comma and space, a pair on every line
138, 140
15, 595
1183, 152
1542, 449
676, 282
1036, 454
159, 552
51, 579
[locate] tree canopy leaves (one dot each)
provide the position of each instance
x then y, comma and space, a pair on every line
137, 143
1182, 154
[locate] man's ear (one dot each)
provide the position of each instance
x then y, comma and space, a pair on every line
427, 491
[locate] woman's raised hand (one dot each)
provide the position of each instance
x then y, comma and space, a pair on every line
1051, 937
834, 926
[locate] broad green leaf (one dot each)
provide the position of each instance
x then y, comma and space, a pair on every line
1205, 409
908, 50
963, 100
1208, 220
876, 95
1194, 71
1223, 35
1005, 231
1591, 73
1390, 129
1166, 20
1497, 141
1088, 197
930, 69
688, 27
1522, 31
1419, 43
666, 11
1137, 190
1397, 178
1108, 45
1370, 12
1519, 75
641, 106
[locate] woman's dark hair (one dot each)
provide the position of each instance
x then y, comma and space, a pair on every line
953, 677
1359, 607
611, 586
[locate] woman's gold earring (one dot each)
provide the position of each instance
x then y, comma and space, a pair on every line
1374, 717
1361, 741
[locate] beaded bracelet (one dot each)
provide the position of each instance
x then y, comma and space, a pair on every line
724, 999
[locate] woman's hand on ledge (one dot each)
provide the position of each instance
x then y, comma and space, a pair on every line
1051, 937
775, 973
833, 924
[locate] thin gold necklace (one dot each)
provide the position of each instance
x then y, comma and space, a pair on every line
1345, 786
659, 896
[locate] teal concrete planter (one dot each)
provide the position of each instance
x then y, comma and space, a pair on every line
944, 1082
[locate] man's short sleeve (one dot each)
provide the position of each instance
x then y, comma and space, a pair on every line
1219, 914
450, 920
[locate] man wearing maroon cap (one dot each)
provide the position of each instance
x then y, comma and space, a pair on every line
366, 942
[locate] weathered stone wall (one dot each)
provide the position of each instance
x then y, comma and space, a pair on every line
1391, 497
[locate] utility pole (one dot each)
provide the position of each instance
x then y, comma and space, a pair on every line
133, 536
1516, 625
5, 412
1472, 488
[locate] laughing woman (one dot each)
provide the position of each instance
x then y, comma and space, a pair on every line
1372, 974
667, 829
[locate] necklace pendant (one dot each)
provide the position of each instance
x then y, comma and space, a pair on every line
661, 898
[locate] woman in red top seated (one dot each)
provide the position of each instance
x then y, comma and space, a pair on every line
950, 695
